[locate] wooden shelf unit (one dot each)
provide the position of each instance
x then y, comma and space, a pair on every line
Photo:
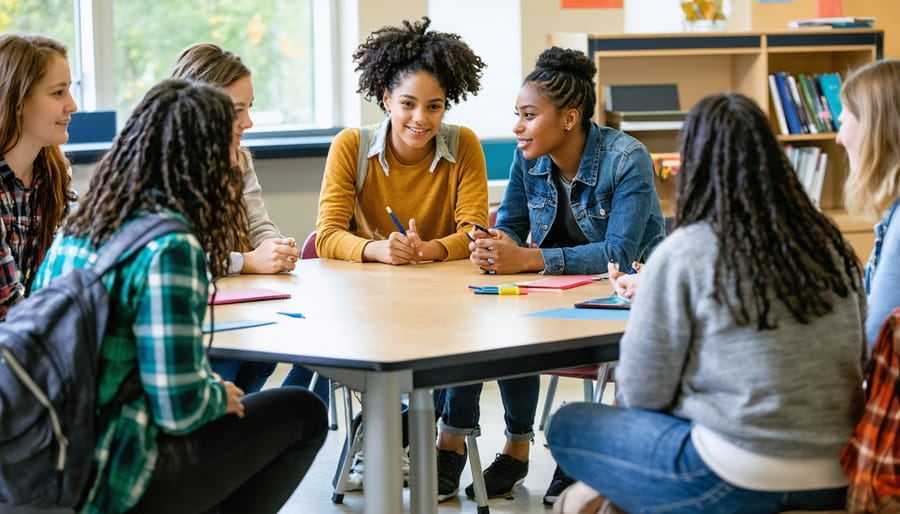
705, 63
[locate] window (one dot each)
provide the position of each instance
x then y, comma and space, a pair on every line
119, 48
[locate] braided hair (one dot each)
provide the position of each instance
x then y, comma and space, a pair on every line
735, 176
391, 53
565, 78
173, 153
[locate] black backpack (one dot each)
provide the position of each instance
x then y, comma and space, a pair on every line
49, 351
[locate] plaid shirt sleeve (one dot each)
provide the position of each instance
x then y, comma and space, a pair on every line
11, 289
174, 369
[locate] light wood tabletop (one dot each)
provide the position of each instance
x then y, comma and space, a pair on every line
385, 330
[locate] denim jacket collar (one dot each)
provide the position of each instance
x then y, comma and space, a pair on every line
588, 168
380, 140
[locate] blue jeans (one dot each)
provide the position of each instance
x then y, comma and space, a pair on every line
459, 412
300, 376
645, 462
249, 376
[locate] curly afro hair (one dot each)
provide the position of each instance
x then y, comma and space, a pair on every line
391, 53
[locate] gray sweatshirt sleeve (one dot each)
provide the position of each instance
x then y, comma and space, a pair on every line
261, 226
655, 345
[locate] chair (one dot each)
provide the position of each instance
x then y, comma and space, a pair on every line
308, 251
598, 372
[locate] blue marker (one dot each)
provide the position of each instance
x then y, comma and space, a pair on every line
396, 221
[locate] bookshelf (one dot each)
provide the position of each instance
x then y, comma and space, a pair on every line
706, 63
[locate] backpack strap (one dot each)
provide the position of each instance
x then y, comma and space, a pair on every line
366, 135
134, 236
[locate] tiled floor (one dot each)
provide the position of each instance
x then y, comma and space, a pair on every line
314, 494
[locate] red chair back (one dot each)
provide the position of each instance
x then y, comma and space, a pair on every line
308, 250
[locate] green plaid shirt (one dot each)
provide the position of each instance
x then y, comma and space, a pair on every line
158, 299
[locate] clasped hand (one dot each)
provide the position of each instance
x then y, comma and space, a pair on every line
493, 252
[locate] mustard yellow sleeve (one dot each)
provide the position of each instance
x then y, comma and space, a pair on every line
471, 194
337, 200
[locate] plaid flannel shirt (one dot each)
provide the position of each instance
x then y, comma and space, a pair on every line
18, 212
158, 299
871, 459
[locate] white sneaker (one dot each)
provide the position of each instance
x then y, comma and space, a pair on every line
355, 478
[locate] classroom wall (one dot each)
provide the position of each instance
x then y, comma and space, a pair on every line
291, 186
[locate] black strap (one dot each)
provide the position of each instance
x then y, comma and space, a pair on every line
134, 236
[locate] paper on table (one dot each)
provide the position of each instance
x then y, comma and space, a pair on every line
234, 324
588, 314
248, 295
560, 283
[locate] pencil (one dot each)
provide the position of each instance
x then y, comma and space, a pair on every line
396, 221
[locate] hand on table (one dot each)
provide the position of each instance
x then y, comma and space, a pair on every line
272, 256
625, 284
497, 253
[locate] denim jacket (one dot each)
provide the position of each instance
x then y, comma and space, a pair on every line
613, 199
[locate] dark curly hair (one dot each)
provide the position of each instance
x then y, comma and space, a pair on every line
565, 78
736, 177
172, 153
391, 53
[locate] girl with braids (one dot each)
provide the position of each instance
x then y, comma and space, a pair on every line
191, 442
741, 368
869, 132
35, 109
268, 251
585, 195
429, 173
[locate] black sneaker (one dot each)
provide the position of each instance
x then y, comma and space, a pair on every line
502, 476
449, 467
557, 485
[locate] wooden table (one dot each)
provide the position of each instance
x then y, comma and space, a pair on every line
386, 329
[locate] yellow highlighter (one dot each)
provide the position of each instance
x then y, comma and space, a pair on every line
504, 289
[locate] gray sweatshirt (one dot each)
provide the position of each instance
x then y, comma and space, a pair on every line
786, 392
261, 226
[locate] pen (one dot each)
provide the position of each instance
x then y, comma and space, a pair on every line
481, 228
506, 289
396, 221
631, 270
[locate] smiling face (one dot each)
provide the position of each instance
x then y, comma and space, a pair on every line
48, 108
416, 106
241, 93
540, 126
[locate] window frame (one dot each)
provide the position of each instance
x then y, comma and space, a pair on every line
93, 79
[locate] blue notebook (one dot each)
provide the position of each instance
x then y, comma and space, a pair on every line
235, 324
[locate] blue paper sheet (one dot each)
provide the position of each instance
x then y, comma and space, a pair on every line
235, 324
589, 314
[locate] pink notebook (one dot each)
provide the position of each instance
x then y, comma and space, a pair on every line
248, 295
559, 283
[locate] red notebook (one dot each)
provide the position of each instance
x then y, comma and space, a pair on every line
248, 295
559, 283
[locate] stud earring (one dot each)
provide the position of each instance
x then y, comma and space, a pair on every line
568, 128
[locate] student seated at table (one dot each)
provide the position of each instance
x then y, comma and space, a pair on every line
740, 372
869, 131
431, 174
191, 442
584, 194
35, 182
268, 251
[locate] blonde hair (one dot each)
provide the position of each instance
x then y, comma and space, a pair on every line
210, 64
872, 95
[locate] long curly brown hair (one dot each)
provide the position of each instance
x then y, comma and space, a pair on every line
173, 153
736, 177
391, 53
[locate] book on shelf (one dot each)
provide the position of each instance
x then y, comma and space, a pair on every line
666, 164
641, 97
645, 120
831, 90
809, 163
838, 22
805, 104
